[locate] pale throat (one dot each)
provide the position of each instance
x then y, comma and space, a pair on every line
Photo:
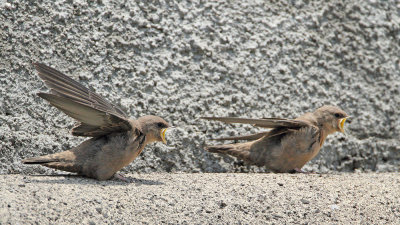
150, 138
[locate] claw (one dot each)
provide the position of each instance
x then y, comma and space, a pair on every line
122, 178
297, 170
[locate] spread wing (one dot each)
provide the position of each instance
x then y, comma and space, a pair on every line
96, 115
265, 122
283, 125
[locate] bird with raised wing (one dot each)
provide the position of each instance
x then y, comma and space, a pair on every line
290, 143
115, 139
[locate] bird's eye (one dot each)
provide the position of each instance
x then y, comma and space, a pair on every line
160, 124
337, 115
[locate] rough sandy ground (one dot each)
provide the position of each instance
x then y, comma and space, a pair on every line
182, 60
203, 199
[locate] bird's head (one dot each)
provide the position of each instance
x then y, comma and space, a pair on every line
154, 128
332, 118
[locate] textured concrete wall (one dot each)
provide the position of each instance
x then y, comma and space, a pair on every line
184, 60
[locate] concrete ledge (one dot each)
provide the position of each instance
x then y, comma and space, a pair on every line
203, 198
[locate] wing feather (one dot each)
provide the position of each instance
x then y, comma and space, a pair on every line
96, 115
250, 137
279, 126
266, 122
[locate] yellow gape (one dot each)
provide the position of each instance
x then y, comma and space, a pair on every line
162, 133
341, 124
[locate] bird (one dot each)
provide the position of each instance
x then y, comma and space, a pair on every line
115, 139
288, 145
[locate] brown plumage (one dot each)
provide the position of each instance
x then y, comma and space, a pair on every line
289, 145
115, 140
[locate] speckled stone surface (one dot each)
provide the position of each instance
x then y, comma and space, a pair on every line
183, 60
207, 198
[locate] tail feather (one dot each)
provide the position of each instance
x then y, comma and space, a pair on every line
218, 148
62, 161
39, 160
240, 150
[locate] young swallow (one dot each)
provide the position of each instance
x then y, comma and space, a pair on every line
290, 143
115, 139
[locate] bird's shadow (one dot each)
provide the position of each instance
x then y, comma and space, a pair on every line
77, 179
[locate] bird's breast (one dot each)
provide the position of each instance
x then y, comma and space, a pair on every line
133, 149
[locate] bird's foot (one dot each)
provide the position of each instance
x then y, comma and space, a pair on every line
122, 178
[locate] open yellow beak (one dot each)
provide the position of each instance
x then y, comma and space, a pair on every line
341, 124
162, 134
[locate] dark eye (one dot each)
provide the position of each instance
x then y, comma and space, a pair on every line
160, 125
337, 115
